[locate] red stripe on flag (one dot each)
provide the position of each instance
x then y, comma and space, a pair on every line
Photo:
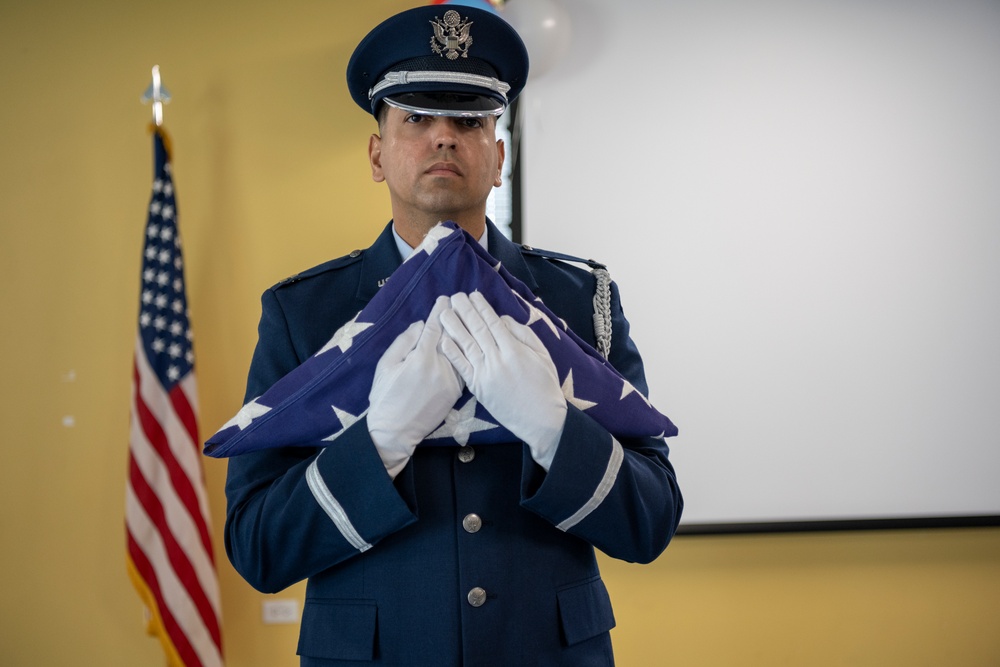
175, 553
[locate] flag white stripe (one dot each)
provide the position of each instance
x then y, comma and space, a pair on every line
602, 490
178, 519
175, 596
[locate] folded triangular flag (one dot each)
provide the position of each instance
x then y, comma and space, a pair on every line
325, 395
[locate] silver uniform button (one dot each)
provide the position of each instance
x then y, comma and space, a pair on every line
466, 454
472, 523
477, 597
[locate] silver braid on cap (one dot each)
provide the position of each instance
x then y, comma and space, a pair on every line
402, 78
602, 311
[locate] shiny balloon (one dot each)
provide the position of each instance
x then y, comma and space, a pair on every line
544, 26
478, 4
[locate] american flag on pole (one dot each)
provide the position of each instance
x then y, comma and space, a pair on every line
169, 548
324, 396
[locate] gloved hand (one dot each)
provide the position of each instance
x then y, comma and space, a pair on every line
413, 389
508, 370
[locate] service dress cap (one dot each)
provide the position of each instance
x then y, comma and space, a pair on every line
449, 60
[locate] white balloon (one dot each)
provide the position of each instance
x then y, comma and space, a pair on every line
545, 28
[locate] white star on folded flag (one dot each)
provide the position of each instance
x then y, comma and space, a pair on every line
247, 414
628, 389
433, 238
570, 394
460, 424
344, 337
346, 419
535, 314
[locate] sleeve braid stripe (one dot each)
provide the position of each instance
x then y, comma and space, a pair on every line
602, 490
333, 509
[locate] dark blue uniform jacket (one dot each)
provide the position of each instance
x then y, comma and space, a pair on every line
472, 556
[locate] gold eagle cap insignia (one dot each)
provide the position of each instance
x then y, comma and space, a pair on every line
451, 38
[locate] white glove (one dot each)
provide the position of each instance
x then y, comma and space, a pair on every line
413, 389
509, 371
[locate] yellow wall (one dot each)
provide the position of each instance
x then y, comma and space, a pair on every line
269, 158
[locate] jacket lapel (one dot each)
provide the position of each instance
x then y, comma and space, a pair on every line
509, 254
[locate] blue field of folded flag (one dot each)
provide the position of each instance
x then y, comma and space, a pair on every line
319, 400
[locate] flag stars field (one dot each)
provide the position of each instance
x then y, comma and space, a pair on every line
164, 312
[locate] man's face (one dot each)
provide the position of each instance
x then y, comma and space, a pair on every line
436, 167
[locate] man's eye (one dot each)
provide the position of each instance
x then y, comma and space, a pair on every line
415, 118
472, 122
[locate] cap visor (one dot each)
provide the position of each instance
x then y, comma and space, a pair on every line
446, 104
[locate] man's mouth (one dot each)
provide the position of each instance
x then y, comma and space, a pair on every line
443, 169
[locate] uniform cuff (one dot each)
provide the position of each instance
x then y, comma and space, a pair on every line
583, 472
349, 482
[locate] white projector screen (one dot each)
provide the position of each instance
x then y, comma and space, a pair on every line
800, 201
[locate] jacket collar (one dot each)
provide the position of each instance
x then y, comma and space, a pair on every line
382, 258
378, 263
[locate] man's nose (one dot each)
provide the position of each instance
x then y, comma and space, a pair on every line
444, 134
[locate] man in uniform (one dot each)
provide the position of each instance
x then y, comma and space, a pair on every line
421, 555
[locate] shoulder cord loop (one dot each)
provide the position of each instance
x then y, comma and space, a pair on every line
602, 311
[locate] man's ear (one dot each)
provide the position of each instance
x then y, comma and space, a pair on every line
375, 157
501, 151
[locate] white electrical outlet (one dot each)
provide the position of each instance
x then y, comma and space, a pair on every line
279, 612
